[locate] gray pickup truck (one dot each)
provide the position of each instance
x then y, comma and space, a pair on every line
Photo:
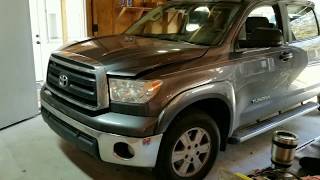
184, 81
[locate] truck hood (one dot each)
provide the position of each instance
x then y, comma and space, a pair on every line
131, 55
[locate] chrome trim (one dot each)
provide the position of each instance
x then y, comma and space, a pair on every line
72, 66
69, 99
266, 125
145, 154
80, 58
101, 81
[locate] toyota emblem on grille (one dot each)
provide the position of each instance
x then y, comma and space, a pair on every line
63, 80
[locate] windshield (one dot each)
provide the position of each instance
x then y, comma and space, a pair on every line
203, 24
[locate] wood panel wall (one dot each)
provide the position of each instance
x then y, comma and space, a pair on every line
64, 21
103, 16
89, 17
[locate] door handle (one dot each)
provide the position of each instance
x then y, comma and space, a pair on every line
286, 56
38, 42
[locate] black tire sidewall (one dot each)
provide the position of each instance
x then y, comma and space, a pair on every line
318, 100
183, 123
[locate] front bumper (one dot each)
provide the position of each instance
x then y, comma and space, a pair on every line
101, 144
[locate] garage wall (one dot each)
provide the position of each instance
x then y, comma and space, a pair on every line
18, 100
108, 17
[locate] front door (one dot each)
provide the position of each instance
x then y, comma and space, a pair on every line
262, 73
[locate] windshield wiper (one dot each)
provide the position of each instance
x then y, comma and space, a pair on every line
169, 39
143, 35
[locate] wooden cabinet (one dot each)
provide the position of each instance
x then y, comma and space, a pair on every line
107, 17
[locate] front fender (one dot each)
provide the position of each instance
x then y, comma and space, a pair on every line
219, 90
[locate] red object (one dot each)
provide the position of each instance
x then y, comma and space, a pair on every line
146, 141
311, 178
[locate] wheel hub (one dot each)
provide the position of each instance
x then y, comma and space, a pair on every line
191, 152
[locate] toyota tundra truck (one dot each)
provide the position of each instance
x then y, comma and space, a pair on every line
184, 81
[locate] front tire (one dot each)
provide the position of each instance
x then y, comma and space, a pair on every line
318, 101
189, 147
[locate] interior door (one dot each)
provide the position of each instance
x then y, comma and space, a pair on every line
50, 29
33, 4
46, 31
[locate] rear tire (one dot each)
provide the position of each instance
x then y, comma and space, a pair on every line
189, 147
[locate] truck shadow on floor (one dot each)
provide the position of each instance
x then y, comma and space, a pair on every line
244, 157
99, 170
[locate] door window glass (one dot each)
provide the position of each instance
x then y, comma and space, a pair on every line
303, 23
261, 17
265, 11
53, 20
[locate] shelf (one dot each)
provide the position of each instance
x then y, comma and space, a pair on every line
139, 10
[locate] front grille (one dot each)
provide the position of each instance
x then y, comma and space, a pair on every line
80, 88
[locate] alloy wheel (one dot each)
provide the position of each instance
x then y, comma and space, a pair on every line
191, 152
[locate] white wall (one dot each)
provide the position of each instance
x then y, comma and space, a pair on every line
18, 100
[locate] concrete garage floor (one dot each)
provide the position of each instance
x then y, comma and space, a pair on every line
31, 151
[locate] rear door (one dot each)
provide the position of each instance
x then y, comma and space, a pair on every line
304, 41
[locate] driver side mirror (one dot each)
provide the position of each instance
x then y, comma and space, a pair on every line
262, 38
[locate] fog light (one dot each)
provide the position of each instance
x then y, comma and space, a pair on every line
123, 150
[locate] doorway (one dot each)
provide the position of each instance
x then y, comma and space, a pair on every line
54, 23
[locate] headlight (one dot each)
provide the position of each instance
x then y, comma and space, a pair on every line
133, 91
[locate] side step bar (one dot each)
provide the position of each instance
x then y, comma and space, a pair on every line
256, 129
